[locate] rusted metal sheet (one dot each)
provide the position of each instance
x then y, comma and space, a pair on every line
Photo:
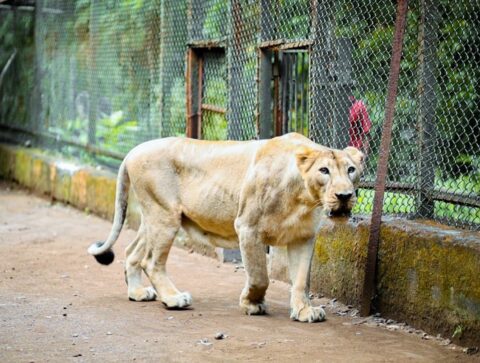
368, 292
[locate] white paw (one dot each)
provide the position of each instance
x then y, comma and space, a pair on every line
179, 301
143, 294
253, 308
310, 314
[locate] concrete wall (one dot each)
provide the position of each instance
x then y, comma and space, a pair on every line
428, 274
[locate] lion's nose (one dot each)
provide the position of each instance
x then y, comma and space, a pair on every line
344, 197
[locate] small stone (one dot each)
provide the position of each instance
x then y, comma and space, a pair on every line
390, 321
170, 318
220, 336
109, 333
75, 335
471, 350
393, 327
376, 315
64, 315
205, 342
77, 355
446, 342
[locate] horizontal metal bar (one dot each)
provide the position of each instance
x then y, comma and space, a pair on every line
442, 195
446, 196
208, 44
391, 186
213, 108
282, 44
26, 8
52, 11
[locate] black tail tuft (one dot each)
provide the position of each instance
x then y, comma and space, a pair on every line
105, 258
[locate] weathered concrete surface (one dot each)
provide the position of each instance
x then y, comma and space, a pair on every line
58, 305
428, 275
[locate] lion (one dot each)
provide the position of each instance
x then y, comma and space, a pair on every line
245, 194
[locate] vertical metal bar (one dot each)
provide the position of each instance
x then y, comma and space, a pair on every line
284, 92
193, 93
302, 92
277, 104
373, 242
92, 85
306, 65
291, 93
265, 95
427, 102
200, 80
298, 124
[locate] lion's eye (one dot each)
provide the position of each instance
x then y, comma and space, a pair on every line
324, 171
351, 170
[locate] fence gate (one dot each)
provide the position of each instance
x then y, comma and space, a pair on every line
206, 94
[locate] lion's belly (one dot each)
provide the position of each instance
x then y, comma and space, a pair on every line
212, 206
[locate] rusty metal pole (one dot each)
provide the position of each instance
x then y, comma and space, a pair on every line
368, 291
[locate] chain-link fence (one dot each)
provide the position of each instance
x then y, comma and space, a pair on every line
94, 78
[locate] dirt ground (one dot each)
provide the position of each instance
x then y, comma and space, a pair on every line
57, 304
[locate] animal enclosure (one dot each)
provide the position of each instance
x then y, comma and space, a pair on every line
93, 78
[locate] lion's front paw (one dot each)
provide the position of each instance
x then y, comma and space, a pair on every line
142, 294
310, 314
178, 301
253, 308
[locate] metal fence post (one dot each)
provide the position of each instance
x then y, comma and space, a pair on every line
92, 85
368, 291
427, 39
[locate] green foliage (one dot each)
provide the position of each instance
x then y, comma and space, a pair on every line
177, 108
112, 129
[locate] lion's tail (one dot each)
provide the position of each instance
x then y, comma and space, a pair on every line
102, 251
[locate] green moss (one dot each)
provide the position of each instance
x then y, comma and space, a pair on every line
23, 167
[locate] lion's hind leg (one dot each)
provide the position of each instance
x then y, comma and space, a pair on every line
161, 229
135, 253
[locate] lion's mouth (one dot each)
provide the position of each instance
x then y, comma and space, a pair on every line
340, 212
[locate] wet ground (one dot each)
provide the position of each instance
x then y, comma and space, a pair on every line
57, 304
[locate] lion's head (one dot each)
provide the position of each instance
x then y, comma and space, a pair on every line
331, 176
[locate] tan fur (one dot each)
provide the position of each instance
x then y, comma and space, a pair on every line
233, 193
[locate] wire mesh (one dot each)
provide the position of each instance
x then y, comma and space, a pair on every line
111, 74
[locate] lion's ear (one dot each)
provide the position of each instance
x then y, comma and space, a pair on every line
357, 156
305, 158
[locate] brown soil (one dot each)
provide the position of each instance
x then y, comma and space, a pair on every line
57, 304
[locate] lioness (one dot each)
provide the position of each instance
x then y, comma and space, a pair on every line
231, 193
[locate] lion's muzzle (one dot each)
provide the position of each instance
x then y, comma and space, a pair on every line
343, 206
